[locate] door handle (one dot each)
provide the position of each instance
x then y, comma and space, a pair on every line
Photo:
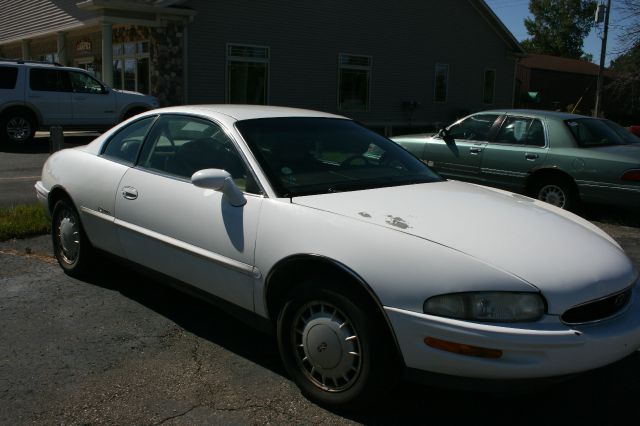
35, 96
80, 98
475, 150
130, 193
530, 156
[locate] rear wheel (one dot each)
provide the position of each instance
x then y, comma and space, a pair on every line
70, 245
559, 192
337, 352
18, 127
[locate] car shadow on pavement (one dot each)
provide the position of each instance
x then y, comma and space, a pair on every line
614, 215
602, 397
193, 314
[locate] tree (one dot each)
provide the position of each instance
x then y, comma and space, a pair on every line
623, 89
629, 23
559, 27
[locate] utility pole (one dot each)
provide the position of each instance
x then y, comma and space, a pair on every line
603, 54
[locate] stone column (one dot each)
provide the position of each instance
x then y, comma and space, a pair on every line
62, 51
107, 53
26, 54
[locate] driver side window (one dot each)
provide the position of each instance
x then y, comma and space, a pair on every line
84, 83
474, 128
180, 145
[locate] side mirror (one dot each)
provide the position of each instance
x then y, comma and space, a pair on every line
105, 90
443, 133
221, 181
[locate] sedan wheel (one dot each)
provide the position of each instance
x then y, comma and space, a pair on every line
327, 346
553, 194
559, 193
339, 354
71, 248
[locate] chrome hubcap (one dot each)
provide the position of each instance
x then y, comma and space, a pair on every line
553, 194
327, 346
68, 238
18, 129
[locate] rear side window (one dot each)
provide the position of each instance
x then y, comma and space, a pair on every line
125, 145
8, 77
593, 132
47, 80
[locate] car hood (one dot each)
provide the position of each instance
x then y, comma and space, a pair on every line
570, 260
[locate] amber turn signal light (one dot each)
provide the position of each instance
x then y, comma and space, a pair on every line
462, 349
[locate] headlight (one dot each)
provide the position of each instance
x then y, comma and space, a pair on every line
487, 306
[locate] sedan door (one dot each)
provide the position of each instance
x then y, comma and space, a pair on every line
518, 149
97, 205
459, 154
195, 235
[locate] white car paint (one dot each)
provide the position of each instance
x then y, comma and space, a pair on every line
406, 243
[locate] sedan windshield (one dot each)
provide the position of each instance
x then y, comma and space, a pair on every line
593, 132
303, 156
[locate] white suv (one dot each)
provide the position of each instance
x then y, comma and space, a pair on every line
36, 95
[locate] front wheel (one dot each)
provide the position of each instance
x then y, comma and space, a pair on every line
336, 352
71, 247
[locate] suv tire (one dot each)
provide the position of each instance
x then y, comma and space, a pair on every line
17, 126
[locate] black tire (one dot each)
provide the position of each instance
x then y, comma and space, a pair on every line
560, 192
17, 127
71, 247
331, 367
133, 112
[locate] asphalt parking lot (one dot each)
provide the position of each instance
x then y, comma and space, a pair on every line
124, 349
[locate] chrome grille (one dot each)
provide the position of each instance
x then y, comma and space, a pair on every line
597, 309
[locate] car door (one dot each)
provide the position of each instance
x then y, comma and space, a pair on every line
93, 103
46, 93
459, 154
518, 148
106, 170
166, 223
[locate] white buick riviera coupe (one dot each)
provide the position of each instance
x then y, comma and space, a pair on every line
365, 262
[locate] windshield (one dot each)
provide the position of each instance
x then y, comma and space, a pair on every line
303, 156
593, 132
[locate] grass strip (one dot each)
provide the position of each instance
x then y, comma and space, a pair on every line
22, 221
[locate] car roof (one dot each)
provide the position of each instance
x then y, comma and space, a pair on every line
247, 112
20, 63
559, 115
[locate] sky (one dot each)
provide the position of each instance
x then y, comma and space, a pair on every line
513, 12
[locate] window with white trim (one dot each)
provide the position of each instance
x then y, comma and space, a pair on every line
441, 83
247, 74
489, 86
131, 69
354, 82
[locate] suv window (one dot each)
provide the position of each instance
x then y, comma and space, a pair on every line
474, 128
84, 83
182, 145
521, 131
8, 77
44, 79
125, 145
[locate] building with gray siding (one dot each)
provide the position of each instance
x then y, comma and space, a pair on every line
394, 66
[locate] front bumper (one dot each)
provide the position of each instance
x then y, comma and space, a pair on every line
42, 194
543, 349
